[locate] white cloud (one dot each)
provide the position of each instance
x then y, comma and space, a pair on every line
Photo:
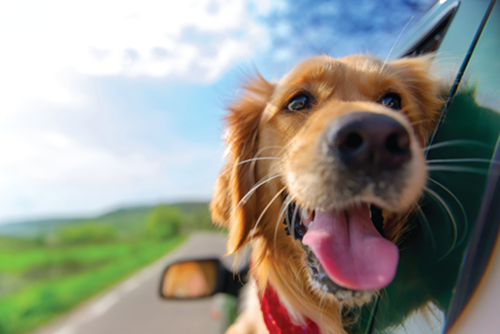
45, 45
50, 49
65, 146
46, 172
99, 37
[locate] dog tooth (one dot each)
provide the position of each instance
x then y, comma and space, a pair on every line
306, 213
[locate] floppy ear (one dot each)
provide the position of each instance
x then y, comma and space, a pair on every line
228, 207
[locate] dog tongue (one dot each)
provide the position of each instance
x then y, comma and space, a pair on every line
350, 249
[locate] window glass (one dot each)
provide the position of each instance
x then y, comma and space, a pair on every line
431, 255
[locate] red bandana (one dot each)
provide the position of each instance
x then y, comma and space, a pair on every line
277, 319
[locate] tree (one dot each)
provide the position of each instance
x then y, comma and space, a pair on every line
163, 222
87, 233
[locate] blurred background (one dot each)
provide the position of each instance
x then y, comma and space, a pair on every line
110, 129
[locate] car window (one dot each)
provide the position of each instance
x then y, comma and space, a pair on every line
421, 296
481, 81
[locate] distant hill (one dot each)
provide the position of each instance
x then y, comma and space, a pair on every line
127, 218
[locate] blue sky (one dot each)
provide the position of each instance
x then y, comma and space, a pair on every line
111, 103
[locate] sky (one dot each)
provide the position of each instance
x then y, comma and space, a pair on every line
106, 104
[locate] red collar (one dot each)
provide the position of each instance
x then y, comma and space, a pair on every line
277, 319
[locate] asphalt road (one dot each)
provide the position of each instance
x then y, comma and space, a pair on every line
133, 306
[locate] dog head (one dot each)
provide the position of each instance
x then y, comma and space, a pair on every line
329, 149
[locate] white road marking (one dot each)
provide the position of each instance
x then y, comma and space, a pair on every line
70, 329
103, 304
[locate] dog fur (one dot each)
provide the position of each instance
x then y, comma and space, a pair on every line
272, 152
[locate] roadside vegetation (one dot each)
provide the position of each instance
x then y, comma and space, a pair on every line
45, 274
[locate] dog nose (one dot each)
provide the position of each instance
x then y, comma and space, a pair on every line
369, 141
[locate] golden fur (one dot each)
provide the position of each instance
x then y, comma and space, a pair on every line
283, 143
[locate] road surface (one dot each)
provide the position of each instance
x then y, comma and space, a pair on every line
133, 306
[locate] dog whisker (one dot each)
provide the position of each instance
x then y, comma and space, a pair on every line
458, 169
457, 142
466, 222
247, 161
425, 223
264, 211
254, 161
252, 166
284, 206
394, 45
380, 295
452, 218
281, 148
254, 188
383, 294
435, 161
396, 72
373, 316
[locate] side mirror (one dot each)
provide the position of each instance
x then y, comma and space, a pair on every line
193, 279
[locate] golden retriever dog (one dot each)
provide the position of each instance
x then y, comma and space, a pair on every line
334, 151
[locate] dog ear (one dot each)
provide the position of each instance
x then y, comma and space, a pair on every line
232, 205
426, 88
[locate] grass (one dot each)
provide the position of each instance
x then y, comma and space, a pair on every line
40, 282
49, 266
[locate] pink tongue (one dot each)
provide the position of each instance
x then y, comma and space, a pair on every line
351, 251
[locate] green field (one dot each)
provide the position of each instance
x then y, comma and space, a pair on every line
45, 274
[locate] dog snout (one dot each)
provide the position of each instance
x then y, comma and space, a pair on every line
368, 141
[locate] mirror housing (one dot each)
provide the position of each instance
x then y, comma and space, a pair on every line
199, 278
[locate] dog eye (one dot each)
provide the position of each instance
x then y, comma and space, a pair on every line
392, 101
298, 102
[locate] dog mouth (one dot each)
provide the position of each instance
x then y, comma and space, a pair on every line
346, 251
